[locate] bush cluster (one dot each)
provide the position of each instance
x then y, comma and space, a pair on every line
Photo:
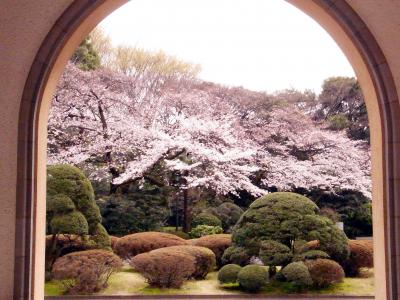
87, 271
217, 243
171, 266
229, 273
202, 230
284, 218
134, 244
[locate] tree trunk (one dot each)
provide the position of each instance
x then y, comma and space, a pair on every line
186, 219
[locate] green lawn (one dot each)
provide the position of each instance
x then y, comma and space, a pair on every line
128, 282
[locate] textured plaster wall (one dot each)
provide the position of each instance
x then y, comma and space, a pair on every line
383, 20
23, 26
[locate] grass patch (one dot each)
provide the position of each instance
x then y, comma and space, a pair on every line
129, 282
53, 288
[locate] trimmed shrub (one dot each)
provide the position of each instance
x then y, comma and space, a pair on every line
114, 240
217, 243
297, 273
361, 256
165, 268
252, 277
203, 230
311, 254
229, 273
206, 219
286, 217
134, 244
85, 272
204, 259
72, 222
72, 182
273, 253
324, 272
235, 255
100, 238
71, 207
60, 204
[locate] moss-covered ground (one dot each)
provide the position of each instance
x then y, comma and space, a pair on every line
128, 282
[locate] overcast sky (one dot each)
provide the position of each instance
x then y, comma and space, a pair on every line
264, 45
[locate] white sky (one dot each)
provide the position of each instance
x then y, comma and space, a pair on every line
263, 45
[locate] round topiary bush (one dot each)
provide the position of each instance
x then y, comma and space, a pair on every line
286, 217
206, 219
134, 244
217, 243
297, 273
361, 256
165, 267
252, 277
235, 255
204, 259
85, 272
311, 254
202, 230
229, 273
273, 253
324, 272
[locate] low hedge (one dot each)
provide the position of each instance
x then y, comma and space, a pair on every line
217, 243
134, 244
204, 259
85, 272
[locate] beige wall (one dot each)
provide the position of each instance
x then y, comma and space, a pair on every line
23, 26
383, 20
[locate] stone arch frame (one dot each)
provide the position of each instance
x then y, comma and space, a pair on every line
340, 20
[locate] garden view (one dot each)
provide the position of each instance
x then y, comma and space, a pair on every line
160, 182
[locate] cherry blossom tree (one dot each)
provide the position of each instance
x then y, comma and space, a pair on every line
118, 128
